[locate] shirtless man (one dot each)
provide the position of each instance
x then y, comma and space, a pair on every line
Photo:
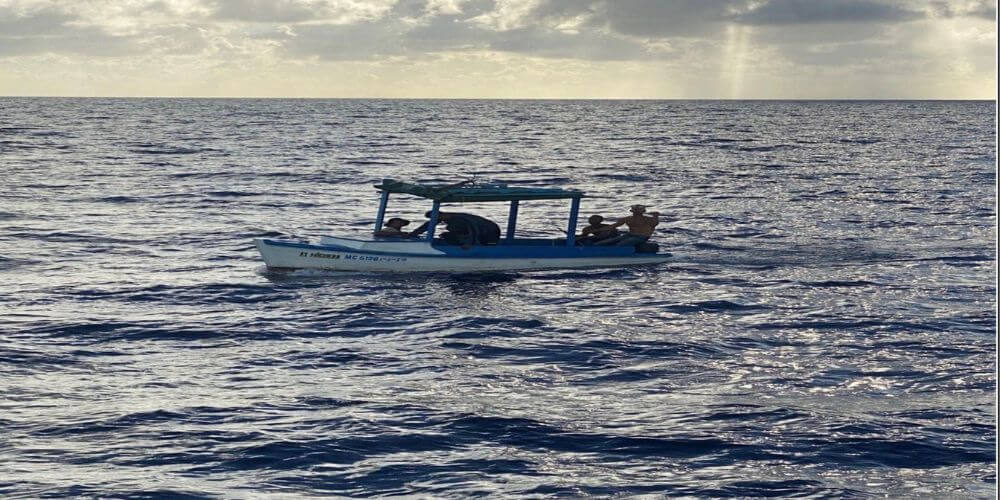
596, 231
640, 227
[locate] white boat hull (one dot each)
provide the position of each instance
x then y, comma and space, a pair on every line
285, 256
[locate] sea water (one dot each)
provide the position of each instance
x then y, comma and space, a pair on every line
827, 327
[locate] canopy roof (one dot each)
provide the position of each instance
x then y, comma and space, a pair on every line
465, 192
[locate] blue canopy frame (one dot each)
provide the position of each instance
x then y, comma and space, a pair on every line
465, 193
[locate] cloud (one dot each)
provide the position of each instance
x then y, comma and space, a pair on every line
780, 12
42, 22
982, 9
637, 18
439, 33
550, 43
342, 42
676, 44
291, 11
652, 18
269, 11
47, 30
415, 31
506, 15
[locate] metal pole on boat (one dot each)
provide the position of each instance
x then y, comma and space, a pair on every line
512, 220
574, 213
381, 211
434, 220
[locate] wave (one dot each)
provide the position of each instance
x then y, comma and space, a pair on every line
825, 327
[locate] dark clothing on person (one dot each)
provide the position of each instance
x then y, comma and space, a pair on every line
466, 229
456, 225
458, 238
486, 231
459, 231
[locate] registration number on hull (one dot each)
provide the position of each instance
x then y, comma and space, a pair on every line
348, 256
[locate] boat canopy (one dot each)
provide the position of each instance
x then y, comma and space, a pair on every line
465, 193
468, 192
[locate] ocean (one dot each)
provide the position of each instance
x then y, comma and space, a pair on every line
826, 329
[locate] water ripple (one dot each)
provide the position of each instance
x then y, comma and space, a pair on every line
826, 327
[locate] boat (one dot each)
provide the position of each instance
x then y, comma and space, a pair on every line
430, 254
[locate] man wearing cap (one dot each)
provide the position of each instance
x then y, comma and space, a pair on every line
640, 227
393, 228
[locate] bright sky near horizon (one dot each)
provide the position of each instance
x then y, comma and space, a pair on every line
669, 49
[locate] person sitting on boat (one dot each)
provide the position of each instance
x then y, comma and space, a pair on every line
596, 231
487, 231
393, 228
464, 229
640, 227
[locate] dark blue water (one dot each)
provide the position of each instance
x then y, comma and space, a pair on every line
828, 328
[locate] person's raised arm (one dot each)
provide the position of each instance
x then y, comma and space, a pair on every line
620, 222
419, 230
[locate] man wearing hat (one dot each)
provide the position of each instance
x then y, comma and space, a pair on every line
640, 227
393, 228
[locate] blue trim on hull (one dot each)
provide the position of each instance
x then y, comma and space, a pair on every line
487, 252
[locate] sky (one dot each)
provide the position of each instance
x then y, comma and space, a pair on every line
563, 49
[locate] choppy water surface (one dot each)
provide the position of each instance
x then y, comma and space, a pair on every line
828, 328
